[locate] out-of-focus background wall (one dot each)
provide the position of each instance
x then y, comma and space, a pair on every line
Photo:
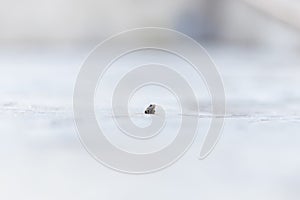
271, 22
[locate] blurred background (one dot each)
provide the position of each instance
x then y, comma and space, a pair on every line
272, 22
256, 47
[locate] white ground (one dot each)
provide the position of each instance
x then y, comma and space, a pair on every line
256, 158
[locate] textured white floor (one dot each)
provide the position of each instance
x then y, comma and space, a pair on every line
256, 158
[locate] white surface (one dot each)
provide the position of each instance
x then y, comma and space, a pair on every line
256, 158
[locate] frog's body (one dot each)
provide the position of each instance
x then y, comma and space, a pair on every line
150, 109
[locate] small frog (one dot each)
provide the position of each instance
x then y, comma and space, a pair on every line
150, 109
